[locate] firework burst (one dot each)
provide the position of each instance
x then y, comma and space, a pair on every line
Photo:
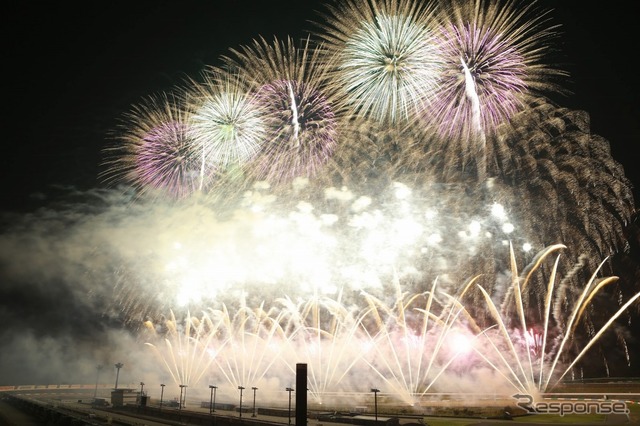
493, 60
299, 117
385, 58
227, 121
156, 150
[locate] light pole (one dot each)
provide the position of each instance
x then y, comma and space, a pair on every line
184, 399
118, 367
254, 401
289, 390
161, 394
212, 400
180, 402
241, 389
98, 368
375, 401
141, 392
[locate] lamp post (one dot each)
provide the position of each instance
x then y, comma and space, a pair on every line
289, 390
180, 402
375, 401
212, 400
241, 388
98, 368
118, 367
141, 392
161, 394
184, 398
254, 401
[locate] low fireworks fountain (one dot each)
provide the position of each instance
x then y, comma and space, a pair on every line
410, 346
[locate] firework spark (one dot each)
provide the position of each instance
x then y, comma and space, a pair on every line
411, 342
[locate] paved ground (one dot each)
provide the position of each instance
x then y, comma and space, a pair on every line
11, 416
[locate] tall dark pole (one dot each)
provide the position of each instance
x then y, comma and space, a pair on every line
254, 401
241, 389
212, 399
215, 388
184, 400
118, 367
98, 368
180, 402
375, 401
301, 394
161, 395
141, 393
289, 390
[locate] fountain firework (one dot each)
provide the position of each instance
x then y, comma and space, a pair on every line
410, 344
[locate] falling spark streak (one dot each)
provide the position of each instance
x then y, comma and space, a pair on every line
502, 327
294, 114
586, 296
472, 95
547, 313
249, 331
525, 381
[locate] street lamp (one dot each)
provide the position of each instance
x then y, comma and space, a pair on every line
184, 399
180, 403
254, 401
161, 394
212, 400
241, 389
98, 368
118, 367
375, 401
141, 392
289, 390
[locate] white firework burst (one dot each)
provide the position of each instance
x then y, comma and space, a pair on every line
384, 55
227, 121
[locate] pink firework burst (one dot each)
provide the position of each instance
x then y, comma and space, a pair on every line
303, 127
493, 56
297, 110
158, 150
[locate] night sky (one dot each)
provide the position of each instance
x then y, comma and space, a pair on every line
70, 70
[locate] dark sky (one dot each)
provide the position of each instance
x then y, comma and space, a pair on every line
71, 69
